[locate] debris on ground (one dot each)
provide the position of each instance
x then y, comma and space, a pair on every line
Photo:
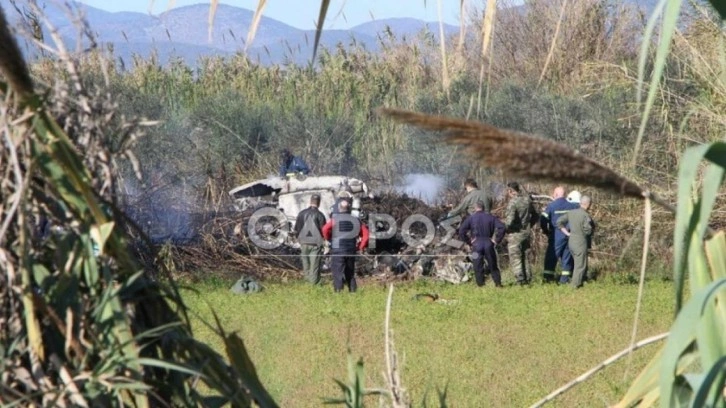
246, 285
219, 243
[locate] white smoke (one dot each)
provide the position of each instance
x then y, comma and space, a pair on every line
424, 186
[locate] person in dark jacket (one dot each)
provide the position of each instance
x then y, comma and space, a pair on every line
292, 165
556, 241
344, 230
309, 230
485, 231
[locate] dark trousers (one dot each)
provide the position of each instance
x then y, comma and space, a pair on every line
485, 251
557, 250
343, 266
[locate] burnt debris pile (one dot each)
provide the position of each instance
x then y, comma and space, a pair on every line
221, 243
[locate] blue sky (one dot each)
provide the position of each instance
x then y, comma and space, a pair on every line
303, 13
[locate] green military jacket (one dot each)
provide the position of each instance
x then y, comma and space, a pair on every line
467, 204
520, 214
580, 224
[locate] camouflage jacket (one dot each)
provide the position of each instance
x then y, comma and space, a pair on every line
466, 206
520, 214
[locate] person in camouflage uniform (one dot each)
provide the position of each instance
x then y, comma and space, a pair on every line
520, 216
579, 232
473, 195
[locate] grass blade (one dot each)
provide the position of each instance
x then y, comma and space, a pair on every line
686, 217
670, 17
152, 362
716, 255
241, 361
319, 25
255, 22
682, 337
715, 375
486, 34
212, 12
553, 44
445, 81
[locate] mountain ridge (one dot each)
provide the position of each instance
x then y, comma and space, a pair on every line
183, 32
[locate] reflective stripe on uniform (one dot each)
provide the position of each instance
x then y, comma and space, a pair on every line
544, 214
566, 273
562, 211
548, 273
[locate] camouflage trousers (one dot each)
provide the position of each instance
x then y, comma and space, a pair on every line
517, 248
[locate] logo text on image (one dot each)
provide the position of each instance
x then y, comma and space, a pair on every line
268, 228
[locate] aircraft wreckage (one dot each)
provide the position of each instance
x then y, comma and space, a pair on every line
391, 256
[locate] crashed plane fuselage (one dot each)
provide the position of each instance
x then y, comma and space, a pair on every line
293, 195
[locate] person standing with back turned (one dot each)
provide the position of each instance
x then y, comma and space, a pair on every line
520, 215
309, 230
483, 227
473, 195
344, 230
580, 229
557, 248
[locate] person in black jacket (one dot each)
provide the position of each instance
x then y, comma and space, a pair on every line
309, 230
481, 228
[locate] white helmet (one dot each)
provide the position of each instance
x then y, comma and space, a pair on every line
574, 197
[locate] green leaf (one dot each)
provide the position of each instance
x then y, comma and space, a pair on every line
686, 219
646, 381
681, 339
242, 363
720, 6
152, 362
645, 45
101, 233
40, 274
716, 255
712, 180
214, 402
715, 376
670, 17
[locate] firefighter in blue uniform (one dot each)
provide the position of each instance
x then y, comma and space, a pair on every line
557, 241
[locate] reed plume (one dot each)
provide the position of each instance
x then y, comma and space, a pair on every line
521, 155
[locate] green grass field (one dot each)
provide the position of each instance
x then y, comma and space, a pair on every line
489, 347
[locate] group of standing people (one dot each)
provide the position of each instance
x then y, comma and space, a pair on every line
566, 222
483, 231
347, 236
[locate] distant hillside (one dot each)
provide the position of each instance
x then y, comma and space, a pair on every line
183, 32
408, 27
